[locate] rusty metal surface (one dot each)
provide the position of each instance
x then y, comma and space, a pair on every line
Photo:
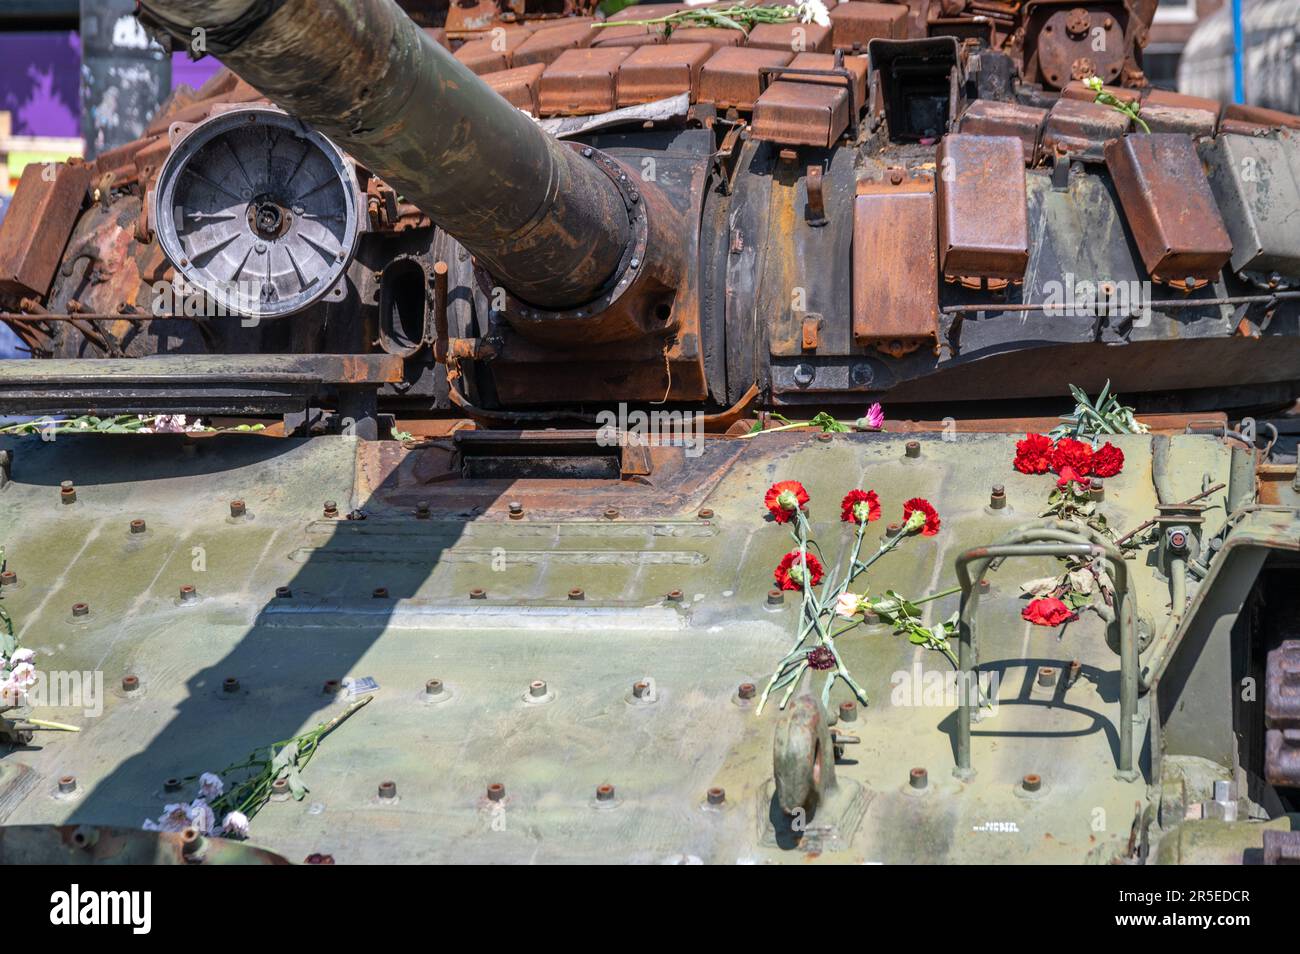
484, 56
545, 45
518, 86
730, 77
37, 225
1068, 41
895, 266
794, 37
1075, 126
718, 38
659, 71
1169, 206
983, 215
802, 114
1282, 715
581, 82
855, 24
993, 118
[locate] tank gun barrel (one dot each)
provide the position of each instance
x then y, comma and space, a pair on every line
549, 226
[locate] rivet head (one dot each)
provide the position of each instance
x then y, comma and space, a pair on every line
848, 711
716, 795
706, 514
775, 597
380, 593
918, 778
237, 508
1046, 677
67, 784
605, 793
496, 792
80, 609
189, 593
611, 513
1031, 783
230, 684
331, 508
137, 526
434, 687
8, 578
478, 593
537, 688
640, 689
577, 594
387, 789
130, 683
675, 596
283, 592
67, 492
747, 690
912, 449
171, 785
331, 687
422, 510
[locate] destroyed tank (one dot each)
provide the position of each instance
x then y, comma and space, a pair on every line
529, 309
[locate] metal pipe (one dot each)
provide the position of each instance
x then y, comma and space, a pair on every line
549, 225
1066, 540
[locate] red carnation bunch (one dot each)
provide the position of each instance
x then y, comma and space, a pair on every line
930, 526
820, 658
860, 506
1069, 459
789, 573
784, 499
1047, 611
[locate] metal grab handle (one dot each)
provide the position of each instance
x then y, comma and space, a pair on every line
1066, 539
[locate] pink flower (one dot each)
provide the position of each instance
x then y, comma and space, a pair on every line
848, 605
875, 418
210, 785
235, 823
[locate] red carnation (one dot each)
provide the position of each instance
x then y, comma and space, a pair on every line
920, 505
860, 506
1107, 460
1034, 454
789, 568
784, 498
1047, 611
1076, 455
820, 658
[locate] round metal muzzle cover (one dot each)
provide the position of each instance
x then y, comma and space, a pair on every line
257, 212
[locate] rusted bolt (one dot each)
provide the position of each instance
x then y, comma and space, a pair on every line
918, 778
1096, 488
706, 514
230, 684
1073, 675
67, 492
1077, 22
824, 437
577, 594
331, 508
537, 688
67, 784
640, 690
380, 593
912, 449
422, 511
894, 529
1046, 677
316, 858
8, 578
137, 526
716, 795
478, 593
434, 687
387, 789
848, 711
985, 586
611, 513
775, 597
496, 792
283, 592
280, 789
171, 785
130, 683
896, 176
237, 508
674, 596
998, 497
1031, 783
191, 841
188, 593
605, 793
80, 609
516, 510
746, 690
331, 687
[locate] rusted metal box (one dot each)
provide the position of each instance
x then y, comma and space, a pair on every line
895, 266
987, 117
854, 24
626, 36
37, 225
801, 114
1083, 128
730, 77
1165, 111
518, 86
792, 37
484, 56
657, 72
857, 65
983, 211
1169, 206
581, 82
545, 46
